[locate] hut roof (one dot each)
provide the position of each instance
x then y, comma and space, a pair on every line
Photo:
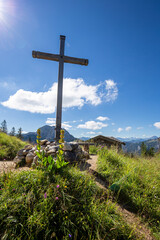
109, 139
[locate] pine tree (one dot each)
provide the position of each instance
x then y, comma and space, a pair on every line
13, 132
19, 135
4, 126
143, 149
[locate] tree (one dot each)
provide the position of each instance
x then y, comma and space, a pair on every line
151, 152
143, 149
147, 152
4, 126
13, 132
19, 134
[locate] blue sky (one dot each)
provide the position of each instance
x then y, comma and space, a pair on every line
117, 94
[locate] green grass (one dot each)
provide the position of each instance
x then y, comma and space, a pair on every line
136, 183
68, 206
9, 146
93, 149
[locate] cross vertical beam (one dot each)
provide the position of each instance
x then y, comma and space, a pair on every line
61, 58
60, 90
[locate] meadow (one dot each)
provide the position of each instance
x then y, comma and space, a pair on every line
135, 182
54, 202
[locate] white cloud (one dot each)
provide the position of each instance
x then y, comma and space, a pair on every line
52, 122
91, 133
120, 130
24, 132
92, 125
157, 125
100, 118
66, 126
113, 124
112, 90
75, 94
138, 128
128, 128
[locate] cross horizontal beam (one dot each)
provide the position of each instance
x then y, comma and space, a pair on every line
57, 57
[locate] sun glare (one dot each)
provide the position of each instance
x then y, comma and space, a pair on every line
1, 9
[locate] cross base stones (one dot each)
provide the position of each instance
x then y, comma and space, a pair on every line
72, 153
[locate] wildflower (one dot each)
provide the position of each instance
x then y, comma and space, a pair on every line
70, 235
65, 186
0, 189
13, 189
57, 186
56, 198
66, 217
45, 195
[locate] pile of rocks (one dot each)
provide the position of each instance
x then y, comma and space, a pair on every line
72, 153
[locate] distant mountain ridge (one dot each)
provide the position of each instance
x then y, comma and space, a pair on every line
132, 139
47, 132
135, 147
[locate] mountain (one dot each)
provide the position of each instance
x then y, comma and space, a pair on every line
47, 132
135, 140
84, 138
135, 147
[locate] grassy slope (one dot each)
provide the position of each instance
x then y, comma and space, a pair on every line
9, 146
69, 206
137, 181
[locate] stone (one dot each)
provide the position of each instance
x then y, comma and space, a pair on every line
28, 147
52, 144
69, 156
74, 146
67, 147
53, 148
72, 153
29, 158
52, 153
20, 152
25, 152
19, 161
35, 160
43, 142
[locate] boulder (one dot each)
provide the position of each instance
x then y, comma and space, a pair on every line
43, 142
74, 146
19, 161
35, 160
67, 147
28, 147
69, 156
29, 158
25, 152
20, 152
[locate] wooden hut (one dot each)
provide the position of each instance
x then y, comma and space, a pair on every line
107, 141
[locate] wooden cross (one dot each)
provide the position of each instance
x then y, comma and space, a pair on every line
61, 58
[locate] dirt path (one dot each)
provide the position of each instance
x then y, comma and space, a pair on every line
6, 166
132, 219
